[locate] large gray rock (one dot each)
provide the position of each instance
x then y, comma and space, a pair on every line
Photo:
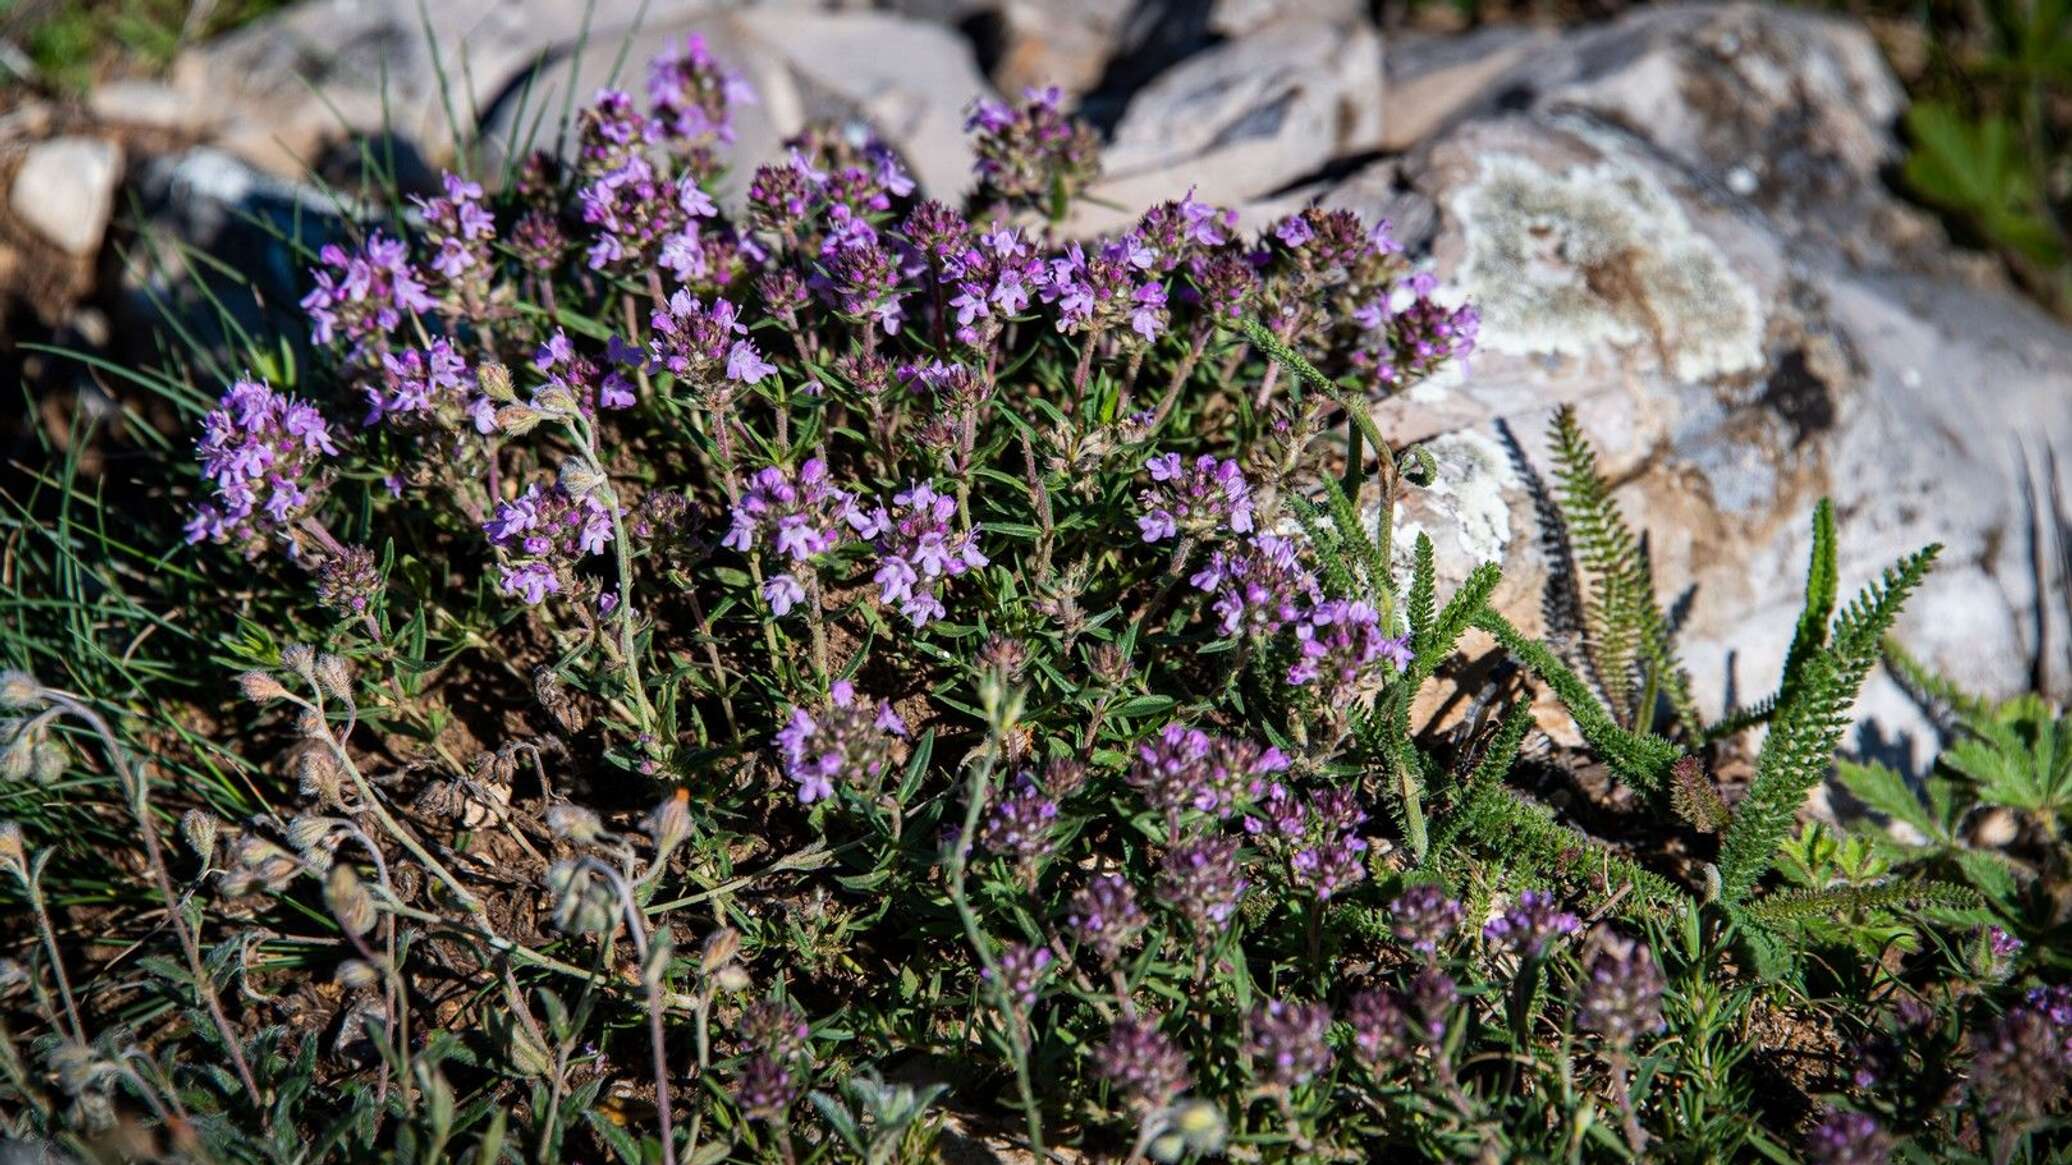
1730, 377
1245, 118
64, 191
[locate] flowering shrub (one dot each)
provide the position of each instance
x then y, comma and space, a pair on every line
705, 662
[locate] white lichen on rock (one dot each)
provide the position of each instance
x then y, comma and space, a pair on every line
1599, 255
1466, 503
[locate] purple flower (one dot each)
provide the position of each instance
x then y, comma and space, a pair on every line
1204, 882
1530, 925
543, 534
1104, 915
1433, 996
1345, 654
2020, 1065
1287, 1039
798, 517
774, 1028
919, 550
1142, 1063
747, 365
783, 592
1259, 584
1622, 994
1416, 339
848, 742
362, 296
1848, 1138
1206, 498
461, 231
263, 453
1022, 970
421, 387
766, 1089
1186, 768
1423, 916
1294, 231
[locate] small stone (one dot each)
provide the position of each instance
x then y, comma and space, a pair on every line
65, 191
142, 103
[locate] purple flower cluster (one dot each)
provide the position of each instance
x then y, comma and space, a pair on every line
1259, 583
692, 95
1203, 499
778, 1044
1185, 768
1104, 916
586, 385
1142, 1063
1020, 824
1204, 881
362, 296
848, 742
1032, 152
703, 347
920, 550
461, 230
1530, 926
1414, 335
1622, 994
2021, 1064
426, 388
1381, 1030
1021, 971
1102, 292
544, 533
263, 453
1315, 836
1345, 654
799, 517
1422, 916
1287, 1039
1848, 1138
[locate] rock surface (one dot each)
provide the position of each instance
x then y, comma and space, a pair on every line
64, 191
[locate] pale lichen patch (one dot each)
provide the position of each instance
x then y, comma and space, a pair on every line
1600, 255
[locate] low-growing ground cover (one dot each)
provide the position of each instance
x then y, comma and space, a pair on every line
862, 676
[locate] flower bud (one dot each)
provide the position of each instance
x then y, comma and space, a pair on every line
14, 850
720, 948
19, 690
336, 677
495, 382
356, 973
516, 420
656, 968
348, 899
579, 479
574, 823
670, 823
261, 688
320, 778
308, 834
301, 659
198, 828
554, 400
47, 763
733, 977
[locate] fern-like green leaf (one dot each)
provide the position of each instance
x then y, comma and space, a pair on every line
1639, 759
1526, 834
1821, 585
1424, 585
1695, 798
1787, 906
1809, 725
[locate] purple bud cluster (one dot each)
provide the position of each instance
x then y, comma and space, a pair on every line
1020, 824
588, 385
543, 534
1316, 837
777, 1043
1530, 926
1422, 917
692, 96
1259, 583
1412, 335
1848, 1138
1206, 498
263, 453
362, 296
2021, 1064
1345, 654
1185, 768
919, 551
1204, 881
1621, 995
1104, 916
1286, 1039
426, 388
847, 741
1381, 1029
1019, 972
1031, 153
1142, 1063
